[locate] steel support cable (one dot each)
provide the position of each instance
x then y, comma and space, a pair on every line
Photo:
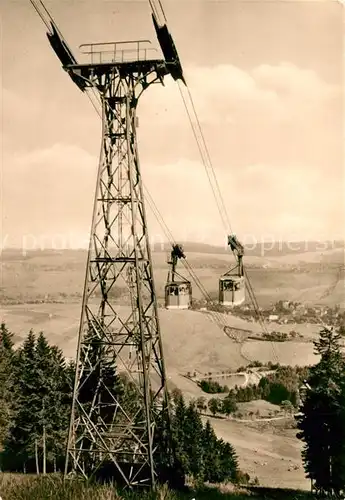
260, 317
221, 206
40, 14
46, 23
187, 265
224, 215
219, 199
51, 19
220, 196
161, 6
204, 161
220, 203
154, 9
218, 317
196, 279
172, 241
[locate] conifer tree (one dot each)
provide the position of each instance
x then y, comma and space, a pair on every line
20, 446
38, 431
322, 423
213, 466
178, 426
6, 339
56, 400
229, 462
194, 441
7, 382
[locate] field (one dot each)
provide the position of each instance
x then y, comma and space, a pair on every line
268, 450
313, 277
42, 291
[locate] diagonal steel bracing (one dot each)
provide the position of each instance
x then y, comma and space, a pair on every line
109, 429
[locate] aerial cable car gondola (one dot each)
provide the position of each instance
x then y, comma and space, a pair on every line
178, 290
232, 283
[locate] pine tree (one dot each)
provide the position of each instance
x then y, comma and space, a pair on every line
38, 432
198, 451
322, 423
220, 461
56, 400
211, 470
194, 441
7, 382
20, 445
178, 430
229, 462
6, 339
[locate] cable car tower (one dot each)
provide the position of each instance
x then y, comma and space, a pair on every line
232, 283
108, 435
178, 292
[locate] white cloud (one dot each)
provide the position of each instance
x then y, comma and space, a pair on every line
260, 200
39, 121
265, 129
271, 114
225, 89
48, 190
288, 79
51, 191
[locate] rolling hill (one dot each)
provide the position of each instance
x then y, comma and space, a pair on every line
42, 291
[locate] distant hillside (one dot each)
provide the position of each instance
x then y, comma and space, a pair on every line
267, 249
312, 276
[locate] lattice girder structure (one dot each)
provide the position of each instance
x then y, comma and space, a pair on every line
110, 432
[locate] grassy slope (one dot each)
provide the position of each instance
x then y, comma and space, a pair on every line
19, 487
191, 340
269, 451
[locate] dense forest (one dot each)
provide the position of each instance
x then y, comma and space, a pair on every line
35, 398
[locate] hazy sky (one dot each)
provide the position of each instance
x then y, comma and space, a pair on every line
267, 81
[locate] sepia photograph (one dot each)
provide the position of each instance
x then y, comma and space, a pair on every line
172, 250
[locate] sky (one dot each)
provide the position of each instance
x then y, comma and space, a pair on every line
267, 82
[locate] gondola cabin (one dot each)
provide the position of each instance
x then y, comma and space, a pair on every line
178, 295
178, 292
231, 290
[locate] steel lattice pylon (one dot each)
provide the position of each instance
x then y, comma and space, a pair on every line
109, 433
